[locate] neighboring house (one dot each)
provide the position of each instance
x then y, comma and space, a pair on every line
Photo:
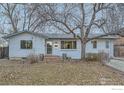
22, 44
119, 47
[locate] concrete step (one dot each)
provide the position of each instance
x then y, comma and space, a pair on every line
52, 58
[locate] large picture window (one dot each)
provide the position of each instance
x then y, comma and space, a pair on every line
26, 44
68, 45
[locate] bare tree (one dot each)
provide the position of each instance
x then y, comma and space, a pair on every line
30, 20
70, 18
76, 19
9, 12
22, 17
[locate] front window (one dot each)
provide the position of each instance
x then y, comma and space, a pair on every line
94, 42
26, 44
107, 44
68, 44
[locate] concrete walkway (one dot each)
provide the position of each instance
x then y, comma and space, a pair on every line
117, 63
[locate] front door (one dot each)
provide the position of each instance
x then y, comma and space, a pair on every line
49, 47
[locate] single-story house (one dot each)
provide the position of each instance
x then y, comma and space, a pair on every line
21, 44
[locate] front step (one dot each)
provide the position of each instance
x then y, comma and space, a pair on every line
52, 58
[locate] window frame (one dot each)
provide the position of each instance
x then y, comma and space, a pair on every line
94, 43
107, 44
26, 41
74, 47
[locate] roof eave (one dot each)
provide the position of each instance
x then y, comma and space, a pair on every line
9, 36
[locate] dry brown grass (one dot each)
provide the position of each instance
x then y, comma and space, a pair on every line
92, 73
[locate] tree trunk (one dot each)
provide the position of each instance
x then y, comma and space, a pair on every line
83, 47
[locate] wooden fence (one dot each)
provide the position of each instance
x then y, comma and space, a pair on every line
4, 52
104, 57
118, 51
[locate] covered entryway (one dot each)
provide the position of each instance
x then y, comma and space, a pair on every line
49, 47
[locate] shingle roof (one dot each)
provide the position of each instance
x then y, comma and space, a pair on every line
109, 36
55, 36
59, 36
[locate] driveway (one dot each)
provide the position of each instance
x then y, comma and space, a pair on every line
117, 63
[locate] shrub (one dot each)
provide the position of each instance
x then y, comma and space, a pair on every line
41, 57
104, 57
92, 57
32, 58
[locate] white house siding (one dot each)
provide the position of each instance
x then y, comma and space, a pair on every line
39, 47
16, 51
73, 53
111, 48
76, 53
101, 46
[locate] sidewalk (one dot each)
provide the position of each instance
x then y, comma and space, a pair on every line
117, 63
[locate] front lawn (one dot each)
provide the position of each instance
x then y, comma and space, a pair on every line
81, 73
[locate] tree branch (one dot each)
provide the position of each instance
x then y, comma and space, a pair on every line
119, 32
